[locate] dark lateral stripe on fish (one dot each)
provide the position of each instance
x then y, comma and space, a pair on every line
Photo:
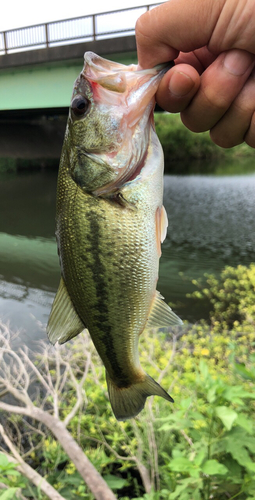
101, 320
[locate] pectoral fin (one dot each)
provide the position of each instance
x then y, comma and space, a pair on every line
161, 315
64, 323
161, 227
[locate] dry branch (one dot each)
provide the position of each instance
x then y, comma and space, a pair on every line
27, 471
17, 376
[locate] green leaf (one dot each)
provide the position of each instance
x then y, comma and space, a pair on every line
177, 453
180, 464
8, 494
203, 369
184, 484
12, 472
236, 443
226, 415
3, 460
245, 423
186, 403
200, 456
212, 467
235, 469
114, 482
211, 394
236, 393
179, 424
242, 370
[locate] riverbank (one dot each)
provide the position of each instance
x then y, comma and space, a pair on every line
187, 152
33, 143
36, 144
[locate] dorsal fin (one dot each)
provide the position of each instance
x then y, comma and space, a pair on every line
161, 315
64, 323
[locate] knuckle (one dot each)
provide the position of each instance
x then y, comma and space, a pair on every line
250, 135
250, 141
140, 27
193, 121
223, 140
216, 100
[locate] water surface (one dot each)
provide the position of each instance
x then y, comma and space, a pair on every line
211, 224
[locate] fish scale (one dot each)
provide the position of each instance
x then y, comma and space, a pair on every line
109, 234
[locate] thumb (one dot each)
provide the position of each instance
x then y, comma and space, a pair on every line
176, 25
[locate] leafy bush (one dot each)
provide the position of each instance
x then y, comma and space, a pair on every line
232, 297
11, 478
203, 446
183, 149
179, 143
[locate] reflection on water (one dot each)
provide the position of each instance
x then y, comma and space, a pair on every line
32, 261
211, 224
26, 309
212, 214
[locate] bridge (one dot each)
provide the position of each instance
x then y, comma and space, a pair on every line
38, 64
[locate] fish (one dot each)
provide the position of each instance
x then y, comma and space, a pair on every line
110, 223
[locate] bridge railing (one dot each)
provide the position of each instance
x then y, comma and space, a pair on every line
85, 28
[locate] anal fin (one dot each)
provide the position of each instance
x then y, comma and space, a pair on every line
64, 323
161, 315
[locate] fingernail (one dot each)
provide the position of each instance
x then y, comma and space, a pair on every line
180, 84
237, 62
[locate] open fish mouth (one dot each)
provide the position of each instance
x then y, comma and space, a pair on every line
132, 91
116, 76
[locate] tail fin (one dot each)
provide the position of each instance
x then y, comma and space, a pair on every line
127, 402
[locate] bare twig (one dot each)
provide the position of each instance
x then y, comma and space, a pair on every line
27, 471
143, 471
50, 382
188, 439
79, 390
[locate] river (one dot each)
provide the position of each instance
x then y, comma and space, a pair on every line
211, 224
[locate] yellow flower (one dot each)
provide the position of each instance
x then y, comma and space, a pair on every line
205, 351
70, 469
198, 424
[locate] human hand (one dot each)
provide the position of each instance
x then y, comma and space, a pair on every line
213, 82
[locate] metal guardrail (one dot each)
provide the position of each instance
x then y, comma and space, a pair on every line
78, 29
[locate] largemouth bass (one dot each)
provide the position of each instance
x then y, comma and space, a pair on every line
110, 223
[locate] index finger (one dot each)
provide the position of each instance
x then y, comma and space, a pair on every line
175, 26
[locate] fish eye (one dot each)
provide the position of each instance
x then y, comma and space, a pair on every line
80, 105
